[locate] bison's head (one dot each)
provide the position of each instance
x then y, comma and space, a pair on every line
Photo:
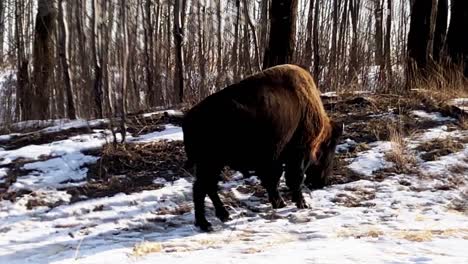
318, 172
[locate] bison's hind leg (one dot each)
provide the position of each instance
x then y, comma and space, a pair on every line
199, 194
295, 167
207, 183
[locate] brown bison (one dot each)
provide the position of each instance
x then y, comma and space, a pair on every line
268, 120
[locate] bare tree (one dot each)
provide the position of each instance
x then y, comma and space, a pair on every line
440, 29
2, 29
282, 33
95, 43
25, 95
43, 59
63, 40
457, 43
254, 35
179, 58
418, 39
315, 41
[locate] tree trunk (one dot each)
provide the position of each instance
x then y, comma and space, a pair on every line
432, 28
2, 29
309, 29
315, 41
148, 48
282, 33
95, 43
378, 13
387, 46
63, 41
43, 59
264, 6
219, 55
254, 35
354, 9
24, 92
418, 40
440, 29
457, 41
179, 62
235, 45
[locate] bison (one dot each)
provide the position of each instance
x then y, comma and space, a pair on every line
272, 119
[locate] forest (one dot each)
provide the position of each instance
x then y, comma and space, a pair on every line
169, 131
97, 58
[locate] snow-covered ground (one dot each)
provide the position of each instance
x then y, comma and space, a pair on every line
399, 219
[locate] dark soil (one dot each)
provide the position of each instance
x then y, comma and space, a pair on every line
131, 168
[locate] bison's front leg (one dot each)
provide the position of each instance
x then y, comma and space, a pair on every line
270, 178
295, 167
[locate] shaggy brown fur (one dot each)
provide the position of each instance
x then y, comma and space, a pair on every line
269, 119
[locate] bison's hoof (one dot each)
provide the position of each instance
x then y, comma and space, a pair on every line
204, 225
223, 215
302, 205
279, 203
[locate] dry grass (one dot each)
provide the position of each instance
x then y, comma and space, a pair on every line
416, 236
463, 123
179, 210
371, 232
439, 147
145, 248
400, 155
443, 83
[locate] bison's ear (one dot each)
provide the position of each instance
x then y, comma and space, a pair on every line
337, 129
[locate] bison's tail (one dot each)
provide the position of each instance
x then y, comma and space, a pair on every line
189, 167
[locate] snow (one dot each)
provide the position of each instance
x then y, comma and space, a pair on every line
440, 132
169, 112
387, 232
371, 160
438, 167
6, 137
330, 94
460, 101
344, 147
432, 116
170, 132
399, 219
3, 173
80, 123
55, 173
54, 125
59, 148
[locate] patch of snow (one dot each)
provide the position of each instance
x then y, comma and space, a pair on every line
3, 173
54, 125
344, 147
329, 94
459, 101
58, 172
58, 148
371, 160
440, 132
401, 227
6, 137
69, 124
435, 116
169, 112
171, 132
441, 165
